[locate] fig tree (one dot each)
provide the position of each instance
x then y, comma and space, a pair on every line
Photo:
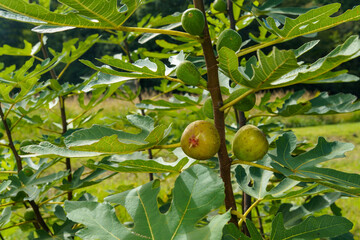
193, 21
188, 73
229, 38
200, 140
250, 144
220, 5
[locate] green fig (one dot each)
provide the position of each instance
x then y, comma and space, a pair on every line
250, 144
208, 108
188, 73
220, 5
193, 21
229, 38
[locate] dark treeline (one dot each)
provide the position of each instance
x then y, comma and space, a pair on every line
14, 33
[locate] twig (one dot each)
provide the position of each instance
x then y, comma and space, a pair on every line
261, 227
175, 145
249, 210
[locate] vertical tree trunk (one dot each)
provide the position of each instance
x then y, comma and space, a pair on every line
219, 118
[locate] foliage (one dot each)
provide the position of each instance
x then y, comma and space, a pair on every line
289, 184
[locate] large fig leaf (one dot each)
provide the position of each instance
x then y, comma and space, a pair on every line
280, 67
270, 67
305, 165
293, 213
138, 162
313, 21
143, 68
193, 199
99, 140
101, 14
311, 228
321, 104
174, 103
25, 80
260, 179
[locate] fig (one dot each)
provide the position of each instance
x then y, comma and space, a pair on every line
229, 38
28, 172
19, 197
200, 140
246, 103
29, 214
220, 5
188, 73
250, 144
193, 21
208, 108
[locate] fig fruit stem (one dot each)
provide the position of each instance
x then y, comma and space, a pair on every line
249, 211
219, 117
238, 214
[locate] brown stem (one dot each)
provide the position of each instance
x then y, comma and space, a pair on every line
19, 168
39, 218
219, 118
261, 227
231, 14
11, 142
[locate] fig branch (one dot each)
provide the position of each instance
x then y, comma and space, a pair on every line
18, 159
219, 118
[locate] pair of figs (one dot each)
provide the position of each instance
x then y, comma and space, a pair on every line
201, 140
193, 22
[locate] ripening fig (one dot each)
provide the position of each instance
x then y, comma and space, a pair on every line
220, 5
229, 38
193, 21
188, 73
200, 140
250, 144
29, 214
